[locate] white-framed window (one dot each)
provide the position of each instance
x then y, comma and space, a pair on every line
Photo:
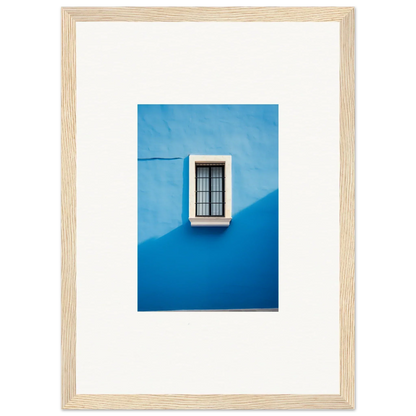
210, 190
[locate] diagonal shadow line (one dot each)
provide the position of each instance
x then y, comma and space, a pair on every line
229, 268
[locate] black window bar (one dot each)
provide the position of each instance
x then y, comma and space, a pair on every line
210, 190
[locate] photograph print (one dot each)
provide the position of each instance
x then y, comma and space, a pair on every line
208, 208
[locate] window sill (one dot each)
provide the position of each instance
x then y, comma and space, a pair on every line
210, 221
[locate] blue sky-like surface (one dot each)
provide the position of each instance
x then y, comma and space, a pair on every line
247, 132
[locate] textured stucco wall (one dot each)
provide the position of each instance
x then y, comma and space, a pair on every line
180, 267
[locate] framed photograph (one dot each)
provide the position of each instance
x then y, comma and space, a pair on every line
207, 220
208, 235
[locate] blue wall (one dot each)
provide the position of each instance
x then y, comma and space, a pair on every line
183, 267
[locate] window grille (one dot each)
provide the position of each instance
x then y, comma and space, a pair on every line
210, 190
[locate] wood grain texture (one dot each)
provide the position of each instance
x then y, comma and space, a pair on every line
347, 209
206, 401
346, 399
68, 209
208, 14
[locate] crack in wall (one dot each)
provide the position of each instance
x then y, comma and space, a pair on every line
160, 158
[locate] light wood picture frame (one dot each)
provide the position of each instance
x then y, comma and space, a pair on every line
346, 398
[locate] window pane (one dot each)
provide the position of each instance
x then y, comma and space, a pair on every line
202, 184
216, 210
216, 184
202, 188
202, 197
202, 172
216, 198
209, 190
202, 209
217, 173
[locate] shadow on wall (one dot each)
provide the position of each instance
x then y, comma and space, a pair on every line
185, 191
213, 268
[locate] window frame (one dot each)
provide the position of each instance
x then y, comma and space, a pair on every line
210, 192
210, 221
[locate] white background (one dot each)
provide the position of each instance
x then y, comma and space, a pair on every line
295, 351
